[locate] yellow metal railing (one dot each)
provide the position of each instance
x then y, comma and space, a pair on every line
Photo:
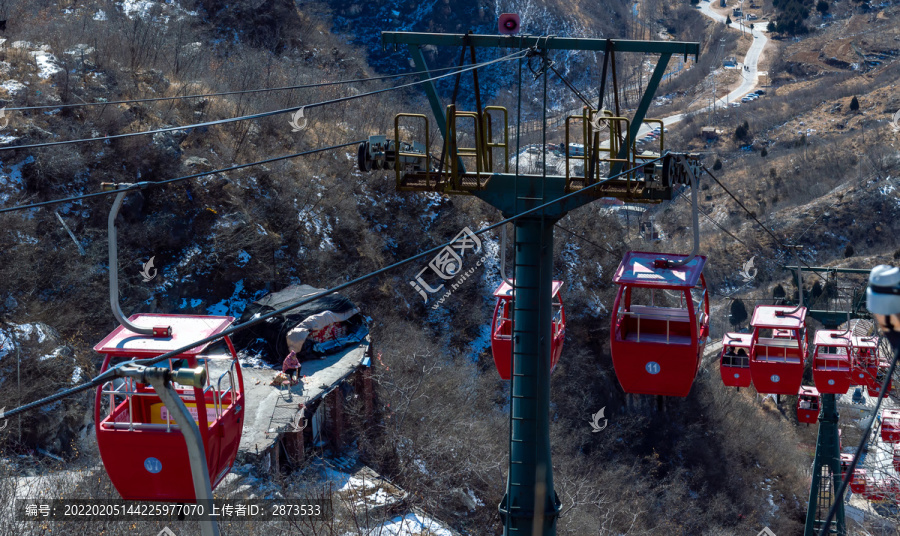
399, 154
490, 144
453, 177
662, 144
592, 146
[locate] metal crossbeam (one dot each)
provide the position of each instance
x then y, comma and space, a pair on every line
833, 319
544, 42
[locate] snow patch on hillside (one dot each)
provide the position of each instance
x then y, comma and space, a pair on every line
11, 179
235, 305
46, 62
13, 87
412, 525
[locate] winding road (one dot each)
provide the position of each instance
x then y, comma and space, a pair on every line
749, 77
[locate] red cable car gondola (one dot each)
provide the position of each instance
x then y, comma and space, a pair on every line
142, 448
501, 328
779, 348
808, 405
864, 360
831, 361
657, 340
890, 426
846, 460
860, 480
882, 490
734, 362
896, 457
874, 387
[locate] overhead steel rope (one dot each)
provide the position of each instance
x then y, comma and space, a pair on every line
571, 87
578, 236
751, 214
147, 184
261, 114
257, 319
717, 224
764, 228
224, 93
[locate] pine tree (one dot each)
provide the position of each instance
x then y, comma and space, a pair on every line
738, 313
854, 104
816, 291
778, 292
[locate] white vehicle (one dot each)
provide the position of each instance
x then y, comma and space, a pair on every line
576, 149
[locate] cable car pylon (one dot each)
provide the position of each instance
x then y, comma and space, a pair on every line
530, 506
827, 473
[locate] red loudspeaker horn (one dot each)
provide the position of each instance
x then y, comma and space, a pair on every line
509, 24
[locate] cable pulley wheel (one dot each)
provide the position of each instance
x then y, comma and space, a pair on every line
362, 157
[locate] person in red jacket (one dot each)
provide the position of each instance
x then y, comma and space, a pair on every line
291, 367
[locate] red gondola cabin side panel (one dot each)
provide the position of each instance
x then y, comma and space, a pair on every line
877, 379
501, 328
860, 480
142, 449
890, 426
778, 353
832, 366
656, 348
808, 405
734, 360
864, 361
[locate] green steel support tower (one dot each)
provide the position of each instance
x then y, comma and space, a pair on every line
826, 476
531, 506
